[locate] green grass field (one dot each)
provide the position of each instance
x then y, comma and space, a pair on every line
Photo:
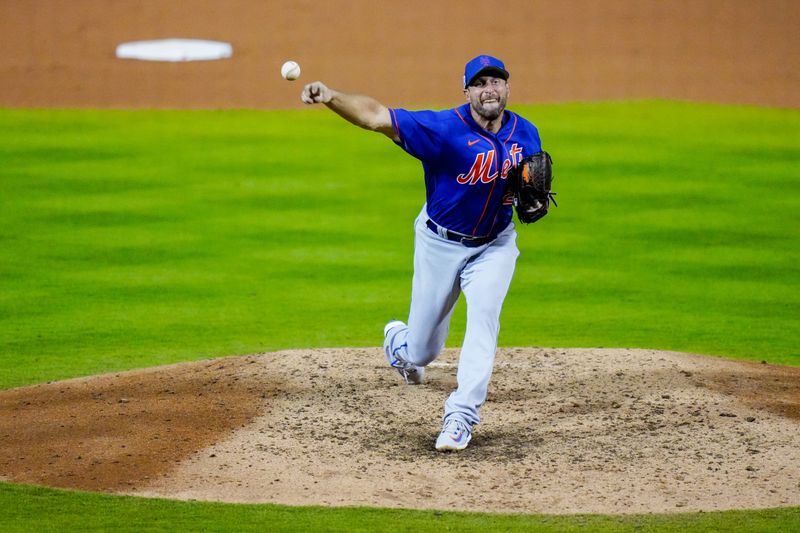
38, 509
130, 239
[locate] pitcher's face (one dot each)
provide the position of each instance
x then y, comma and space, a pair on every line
487, 96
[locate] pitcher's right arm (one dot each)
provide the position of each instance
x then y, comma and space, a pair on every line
363, 111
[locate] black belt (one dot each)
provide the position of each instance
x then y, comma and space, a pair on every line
466, 240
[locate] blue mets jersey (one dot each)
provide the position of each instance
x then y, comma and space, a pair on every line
465, 165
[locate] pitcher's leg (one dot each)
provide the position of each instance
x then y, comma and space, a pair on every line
485, 283
434, 291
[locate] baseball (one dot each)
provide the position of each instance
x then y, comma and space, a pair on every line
290, 70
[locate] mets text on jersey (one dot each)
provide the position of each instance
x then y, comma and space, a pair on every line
482, 166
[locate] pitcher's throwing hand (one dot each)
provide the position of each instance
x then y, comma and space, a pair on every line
316, 93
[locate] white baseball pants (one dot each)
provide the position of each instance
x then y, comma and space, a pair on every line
444, 269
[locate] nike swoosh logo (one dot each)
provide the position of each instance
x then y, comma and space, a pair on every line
472, 142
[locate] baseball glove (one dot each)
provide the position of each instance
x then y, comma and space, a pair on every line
530, 183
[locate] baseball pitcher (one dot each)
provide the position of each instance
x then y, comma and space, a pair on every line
465, 239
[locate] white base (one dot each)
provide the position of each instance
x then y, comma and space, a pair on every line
175, 50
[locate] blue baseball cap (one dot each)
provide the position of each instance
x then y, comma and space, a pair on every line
484, 65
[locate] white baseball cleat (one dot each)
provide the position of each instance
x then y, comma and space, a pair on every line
412, 374
455, 436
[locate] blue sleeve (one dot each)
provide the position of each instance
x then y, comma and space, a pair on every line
419, 132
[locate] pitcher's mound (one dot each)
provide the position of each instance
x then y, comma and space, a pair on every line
564, 431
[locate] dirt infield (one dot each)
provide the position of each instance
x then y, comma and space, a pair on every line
61, 52
564, 431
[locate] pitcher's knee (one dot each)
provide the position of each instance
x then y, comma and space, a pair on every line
484, 314
421, 353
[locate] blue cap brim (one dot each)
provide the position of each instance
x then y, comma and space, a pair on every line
486, 71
